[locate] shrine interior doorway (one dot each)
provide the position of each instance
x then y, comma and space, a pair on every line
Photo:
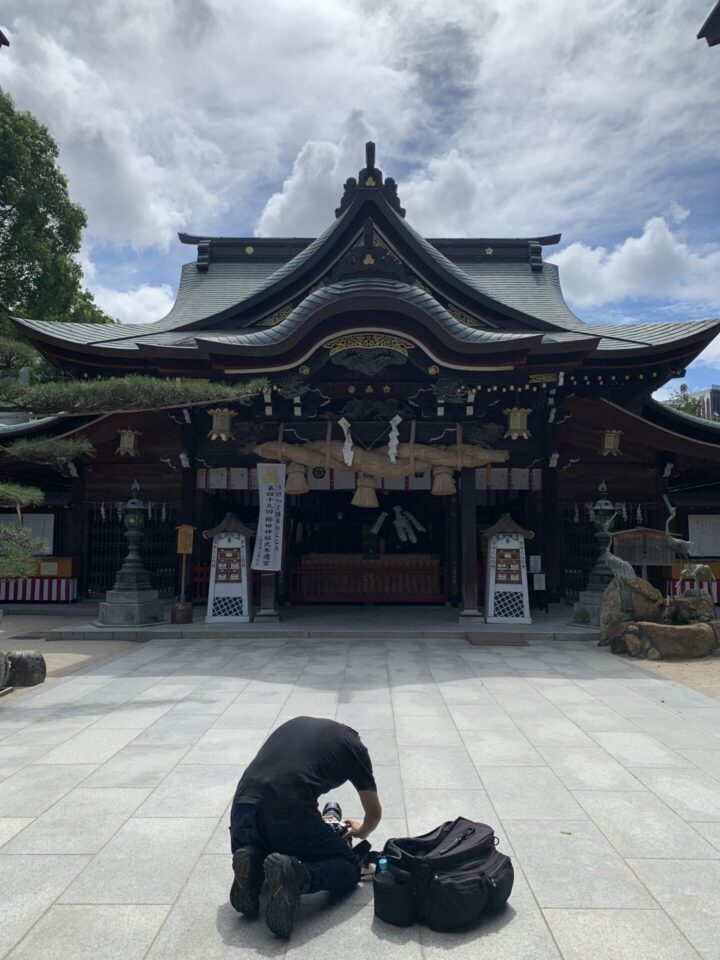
399, 552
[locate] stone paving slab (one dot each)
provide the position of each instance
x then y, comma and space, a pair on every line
603, 785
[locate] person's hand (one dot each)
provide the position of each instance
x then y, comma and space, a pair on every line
354, 828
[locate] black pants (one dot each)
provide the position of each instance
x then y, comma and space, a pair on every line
328, 859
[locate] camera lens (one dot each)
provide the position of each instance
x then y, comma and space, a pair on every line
332, 810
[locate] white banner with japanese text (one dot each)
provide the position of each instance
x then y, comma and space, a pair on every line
267, 555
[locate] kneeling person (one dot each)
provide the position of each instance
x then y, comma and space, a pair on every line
281, 846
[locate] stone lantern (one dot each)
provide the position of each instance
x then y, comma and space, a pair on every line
132, 601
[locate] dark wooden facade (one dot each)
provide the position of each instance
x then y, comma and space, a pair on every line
368, 322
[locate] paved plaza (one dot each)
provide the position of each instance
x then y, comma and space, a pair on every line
603, 783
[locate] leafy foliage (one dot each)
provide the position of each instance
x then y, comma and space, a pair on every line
685, 402
17, 495
115, 394
40, 227
15, 354
51, 451
17, 552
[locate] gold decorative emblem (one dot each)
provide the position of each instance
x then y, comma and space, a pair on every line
370, 182
352, 388
304, 370
249, 250
543, 378
277, 318
369, 341
368, 259
433, 370
270, 476
387, 388
488, 251
517, 423
463, 317
369, 388
611, 443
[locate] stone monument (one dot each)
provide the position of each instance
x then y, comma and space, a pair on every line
132, 601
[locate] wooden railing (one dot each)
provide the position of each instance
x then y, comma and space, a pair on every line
368, 581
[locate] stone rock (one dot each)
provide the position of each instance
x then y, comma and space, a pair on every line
4, 671
716, 629
27, 668
657, 640
644, 603
690, 608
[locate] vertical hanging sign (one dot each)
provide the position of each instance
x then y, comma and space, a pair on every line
267, 556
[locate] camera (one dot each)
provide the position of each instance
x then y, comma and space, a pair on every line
332, 815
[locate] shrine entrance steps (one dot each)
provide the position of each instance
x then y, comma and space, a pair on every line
354, 623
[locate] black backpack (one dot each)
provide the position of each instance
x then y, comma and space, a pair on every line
448, 879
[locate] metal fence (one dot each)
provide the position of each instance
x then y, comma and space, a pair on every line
107, 547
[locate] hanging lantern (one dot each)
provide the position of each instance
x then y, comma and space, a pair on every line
517, 423
296, 483
365, 495
611, 443
128, 443
443, 483
221, 420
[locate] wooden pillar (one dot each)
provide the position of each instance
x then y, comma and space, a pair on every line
468, 541
553, 535
452, 549
268, 598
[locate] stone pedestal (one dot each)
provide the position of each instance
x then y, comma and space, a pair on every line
268, 611
131, 608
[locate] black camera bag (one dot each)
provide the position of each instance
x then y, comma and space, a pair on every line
448, 879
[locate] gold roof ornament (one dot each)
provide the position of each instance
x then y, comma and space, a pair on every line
276, 318
611, 443
463, 317
517, 423
369, 341
221, 424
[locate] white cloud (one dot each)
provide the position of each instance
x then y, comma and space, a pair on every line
657, 265
515, 117
497, 118
710, 357
143, 304
311, 192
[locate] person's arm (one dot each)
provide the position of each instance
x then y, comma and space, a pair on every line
373, 814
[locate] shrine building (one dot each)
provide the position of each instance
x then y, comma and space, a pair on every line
416, 390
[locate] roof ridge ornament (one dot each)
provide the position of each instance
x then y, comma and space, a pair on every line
370, 177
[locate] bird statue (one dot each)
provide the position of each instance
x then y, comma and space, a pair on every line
681, 548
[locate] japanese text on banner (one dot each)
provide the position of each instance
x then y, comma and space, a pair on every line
267, 555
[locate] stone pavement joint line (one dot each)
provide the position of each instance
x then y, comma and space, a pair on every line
602, 782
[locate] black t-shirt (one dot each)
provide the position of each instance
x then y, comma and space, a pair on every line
303, 759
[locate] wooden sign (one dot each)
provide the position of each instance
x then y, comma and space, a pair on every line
185, 538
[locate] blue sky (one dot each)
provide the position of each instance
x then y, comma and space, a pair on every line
497, 117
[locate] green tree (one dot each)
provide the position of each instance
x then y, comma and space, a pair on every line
685, 402
40, 227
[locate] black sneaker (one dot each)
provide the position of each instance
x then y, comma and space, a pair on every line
285, 881
245, 890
